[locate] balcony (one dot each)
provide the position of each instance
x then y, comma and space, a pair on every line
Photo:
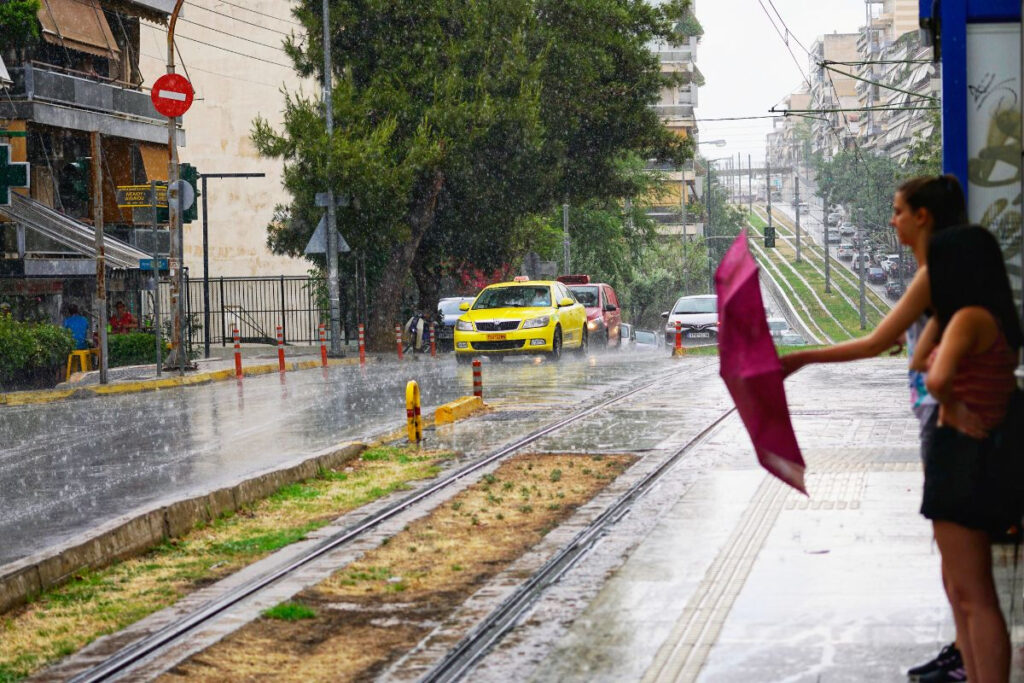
46, 96
666, 111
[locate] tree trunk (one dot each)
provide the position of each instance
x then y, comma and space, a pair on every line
386, 311
427, 272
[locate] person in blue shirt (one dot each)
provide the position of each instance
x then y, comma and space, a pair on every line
78, 325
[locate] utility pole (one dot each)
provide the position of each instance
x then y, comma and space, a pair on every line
101, 258
707, 228
750, 186
565, 237
157, 332
333, 289
860, 265
768, 188
796, 200
177, 356
824, 236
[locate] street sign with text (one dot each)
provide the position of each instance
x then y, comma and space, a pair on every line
12, 175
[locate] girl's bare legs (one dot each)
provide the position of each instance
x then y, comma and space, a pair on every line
981, 630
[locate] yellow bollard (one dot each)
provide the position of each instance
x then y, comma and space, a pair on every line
412, 411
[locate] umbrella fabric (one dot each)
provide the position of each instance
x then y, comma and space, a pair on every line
751, 368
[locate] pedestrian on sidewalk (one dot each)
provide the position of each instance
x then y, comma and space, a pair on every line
969, 349
921, 208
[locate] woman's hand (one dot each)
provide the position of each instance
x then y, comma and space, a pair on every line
957, 415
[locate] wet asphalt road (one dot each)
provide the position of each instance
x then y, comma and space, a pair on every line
70, 466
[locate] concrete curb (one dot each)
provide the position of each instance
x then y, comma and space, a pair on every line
137, 532
458, 409
18, 398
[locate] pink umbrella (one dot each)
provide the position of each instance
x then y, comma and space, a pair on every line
751, 368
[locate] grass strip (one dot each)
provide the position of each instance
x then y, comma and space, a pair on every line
375, 610
836, 330
62, 620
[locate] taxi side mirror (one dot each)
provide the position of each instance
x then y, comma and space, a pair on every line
566, 301
463, 306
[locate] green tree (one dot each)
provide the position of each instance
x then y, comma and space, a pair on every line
20, 25
459, 122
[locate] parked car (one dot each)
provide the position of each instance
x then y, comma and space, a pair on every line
893, 289
521, 317
847, 230
845, 252
833, 236
448, 313
626, 336
876, 275
646, 340
603, 314
698, 318
778, 326
791, 338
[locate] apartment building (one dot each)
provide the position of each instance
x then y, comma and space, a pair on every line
676, 108
904, 81
833, 89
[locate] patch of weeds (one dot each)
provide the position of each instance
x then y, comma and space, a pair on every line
295, 492
290, 611
554, 506
457, 505
524, 492
526, 509
493, 500
456, 567
265, 542
398, 587
381, 453
489, 478
556, 475
499, 516
585, 470
475, 521
507, 486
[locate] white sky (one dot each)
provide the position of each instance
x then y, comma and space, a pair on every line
747, 68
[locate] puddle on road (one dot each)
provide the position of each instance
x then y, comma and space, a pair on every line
373, 611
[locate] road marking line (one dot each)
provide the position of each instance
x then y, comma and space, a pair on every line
684, 652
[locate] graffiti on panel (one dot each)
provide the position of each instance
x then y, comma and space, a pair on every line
994, 137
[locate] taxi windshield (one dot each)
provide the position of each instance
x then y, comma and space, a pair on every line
523, 296
585, 295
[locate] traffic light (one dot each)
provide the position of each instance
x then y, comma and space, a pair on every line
190, 174
769, 237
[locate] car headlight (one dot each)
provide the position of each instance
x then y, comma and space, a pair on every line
537, 322
464, 326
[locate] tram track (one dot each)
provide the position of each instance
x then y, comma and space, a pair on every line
476, 644
841, 272
121, 662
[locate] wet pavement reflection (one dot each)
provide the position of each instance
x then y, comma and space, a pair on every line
68, 467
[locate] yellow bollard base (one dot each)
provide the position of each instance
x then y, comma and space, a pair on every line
678, 352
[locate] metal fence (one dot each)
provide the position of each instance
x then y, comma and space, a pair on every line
255, 305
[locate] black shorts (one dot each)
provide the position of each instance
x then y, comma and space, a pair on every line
965, 481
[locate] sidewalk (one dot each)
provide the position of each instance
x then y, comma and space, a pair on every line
256, 360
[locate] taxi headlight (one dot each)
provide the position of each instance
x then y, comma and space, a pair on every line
537, 322
464, 326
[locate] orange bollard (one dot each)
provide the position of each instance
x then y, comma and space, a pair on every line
478, 379
362, 345
679, 350
323, 345
280, 348
398, 340
433, 343
238, 353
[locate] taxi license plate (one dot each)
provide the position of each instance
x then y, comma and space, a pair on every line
698, 335
495, 337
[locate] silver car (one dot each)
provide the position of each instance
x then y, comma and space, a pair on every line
448, 313
698, 318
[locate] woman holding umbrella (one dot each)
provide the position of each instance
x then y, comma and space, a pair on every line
921, 207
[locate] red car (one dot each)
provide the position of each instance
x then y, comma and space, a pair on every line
604, 318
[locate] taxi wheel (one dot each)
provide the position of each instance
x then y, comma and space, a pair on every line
556, 345
584, 343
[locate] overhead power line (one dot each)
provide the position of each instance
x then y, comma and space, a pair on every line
264, 14
241, 21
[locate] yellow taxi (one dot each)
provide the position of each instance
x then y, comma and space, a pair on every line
521, 318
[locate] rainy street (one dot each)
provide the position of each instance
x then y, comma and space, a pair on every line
68, 467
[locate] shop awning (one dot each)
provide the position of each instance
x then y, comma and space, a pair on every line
155, 160
78, 25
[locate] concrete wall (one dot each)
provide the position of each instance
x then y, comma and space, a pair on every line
231, 90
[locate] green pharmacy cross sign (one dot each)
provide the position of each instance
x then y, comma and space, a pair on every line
12, 175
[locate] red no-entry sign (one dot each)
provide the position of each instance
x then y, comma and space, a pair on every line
172, 95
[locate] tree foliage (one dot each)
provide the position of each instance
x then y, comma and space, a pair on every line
459, 123
19, 22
